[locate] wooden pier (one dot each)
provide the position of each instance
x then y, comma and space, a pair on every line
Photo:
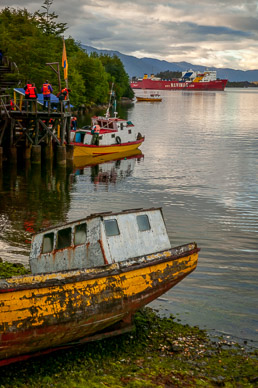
34, 133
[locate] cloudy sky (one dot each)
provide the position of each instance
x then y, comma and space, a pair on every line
220, 33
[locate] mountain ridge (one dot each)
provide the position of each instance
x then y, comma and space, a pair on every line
137, 67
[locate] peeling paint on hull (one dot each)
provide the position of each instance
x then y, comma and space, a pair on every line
46, 311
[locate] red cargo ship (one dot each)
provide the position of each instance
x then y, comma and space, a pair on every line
190, 80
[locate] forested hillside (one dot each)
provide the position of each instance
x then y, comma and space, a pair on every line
32, 40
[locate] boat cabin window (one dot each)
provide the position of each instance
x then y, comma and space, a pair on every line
121, 126
80, 234
100, 137
129, 131
111, 227
48, 243
64, 238
143, 222
113, 135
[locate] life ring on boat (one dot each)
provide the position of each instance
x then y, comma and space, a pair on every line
118, 140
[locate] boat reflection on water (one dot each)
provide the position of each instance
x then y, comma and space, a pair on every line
107, 169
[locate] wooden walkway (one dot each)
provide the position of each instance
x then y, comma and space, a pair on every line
24, 124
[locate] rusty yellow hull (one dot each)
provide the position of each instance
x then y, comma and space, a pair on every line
81, 149
50, 310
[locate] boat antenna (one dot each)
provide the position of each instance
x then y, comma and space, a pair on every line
109, 103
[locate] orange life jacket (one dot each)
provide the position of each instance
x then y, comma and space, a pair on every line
46, 89
32, 92
65, 94
27, 91
97, 129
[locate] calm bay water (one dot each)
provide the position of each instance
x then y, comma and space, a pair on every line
200, 163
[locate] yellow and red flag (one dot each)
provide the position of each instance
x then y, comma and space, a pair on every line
64, 62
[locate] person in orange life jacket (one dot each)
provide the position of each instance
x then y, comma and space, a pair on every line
95, 135
33, 94
26, 88
46, 90
74, 123
63, 95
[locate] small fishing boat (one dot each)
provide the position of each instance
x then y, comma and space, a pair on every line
153, 97
106, 135
88, 279
115, 135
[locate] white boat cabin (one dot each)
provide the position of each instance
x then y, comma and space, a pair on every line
112, 131
99, 239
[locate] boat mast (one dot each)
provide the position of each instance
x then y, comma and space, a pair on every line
109, 103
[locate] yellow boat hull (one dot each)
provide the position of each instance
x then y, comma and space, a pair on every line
94, 150
148, 99
47, 311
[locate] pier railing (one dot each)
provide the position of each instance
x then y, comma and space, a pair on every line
28, 106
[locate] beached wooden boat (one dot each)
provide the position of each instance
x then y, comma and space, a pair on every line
153, 97
88, 279
115, 135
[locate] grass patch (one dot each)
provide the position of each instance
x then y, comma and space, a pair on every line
158, 353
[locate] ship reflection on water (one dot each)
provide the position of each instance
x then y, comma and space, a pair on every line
107, 169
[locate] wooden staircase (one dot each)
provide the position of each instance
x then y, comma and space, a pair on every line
6, 80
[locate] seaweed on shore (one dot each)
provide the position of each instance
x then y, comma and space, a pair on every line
158, 353
7, 270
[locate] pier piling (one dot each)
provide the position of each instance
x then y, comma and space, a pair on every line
61, 156
36, 154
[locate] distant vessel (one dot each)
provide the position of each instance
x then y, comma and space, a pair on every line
190, 80
153, 97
